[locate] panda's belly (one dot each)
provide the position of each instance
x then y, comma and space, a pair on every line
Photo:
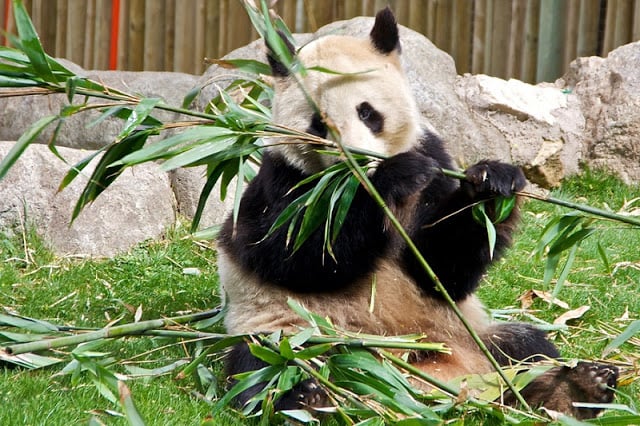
386, 302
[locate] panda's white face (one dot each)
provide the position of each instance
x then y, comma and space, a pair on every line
371, 106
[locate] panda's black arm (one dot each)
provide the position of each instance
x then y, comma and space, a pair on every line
361, 241
452, 242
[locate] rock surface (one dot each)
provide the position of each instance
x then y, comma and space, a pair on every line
138, 206
589, 117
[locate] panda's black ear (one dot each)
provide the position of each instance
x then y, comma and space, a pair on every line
384, 34
278, 69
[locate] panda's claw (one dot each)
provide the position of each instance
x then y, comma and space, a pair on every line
488, 178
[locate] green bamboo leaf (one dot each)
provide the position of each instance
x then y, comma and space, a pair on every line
30, 43
8, 81
75, 170
105, 173
198, 154
566, 242
138, 115
212, 178
285, 349
33, 325
245, 381
631, 330
301, 337
267, 355
314, 351
480, 215
23, 142
555, 228
565, 271
176, 144
603, 256
126, 401
503, 207
250, 66
346, 198
288, 214
28, 360
550, 268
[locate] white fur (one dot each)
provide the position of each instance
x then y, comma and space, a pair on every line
372, 77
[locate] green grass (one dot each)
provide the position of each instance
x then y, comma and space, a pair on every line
91, 293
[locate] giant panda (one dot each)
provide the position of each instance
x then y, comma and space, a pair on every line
371, 105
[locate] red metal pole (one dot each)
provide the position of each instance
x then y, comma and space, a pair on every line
115, 28
5, 24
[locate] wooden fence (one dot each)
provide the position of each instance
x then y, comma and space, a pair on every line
532, 40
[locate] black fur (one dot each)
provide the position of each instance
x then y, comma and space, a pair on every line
278, 69
363, 238
385, 35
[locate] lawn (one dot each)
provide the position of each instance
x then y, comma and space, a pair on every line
177, 276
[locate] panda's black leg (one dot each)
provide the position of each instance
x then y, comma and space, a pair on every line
513, 342
305, 394
558, 388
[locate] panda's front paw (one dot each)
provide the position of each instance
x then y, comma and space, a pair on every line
494, 178
306, 394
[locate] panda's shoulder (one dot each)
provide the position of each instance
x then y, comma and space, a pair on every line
433, 146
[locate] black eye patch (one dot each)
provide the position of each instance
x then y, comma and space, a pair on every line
370, 117
317, 126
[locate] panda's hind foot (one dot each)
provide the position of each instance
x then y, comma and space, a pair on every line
306, 394
560, 387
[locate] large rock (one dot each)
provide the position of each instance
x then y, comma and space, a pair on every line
609, 93
138, 206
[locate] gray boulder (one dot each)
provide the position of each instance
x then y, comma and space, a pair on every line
138, 206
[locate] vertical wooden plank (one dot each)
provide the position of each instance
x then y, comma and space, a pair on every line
44, 19
418, 16
588, 28
570, 46
442, 28
102, 36
74, 50
488, 36
402, 12
123, 36
351, 8
552, 20
530, 50
212, 29
461, 35
224, 27
153, 51
135, 49
622, 26
635, 31
169, 34
287, 11
430, 24
500, 38
61, 28
516, 38
199, 37
240, 27
609, 27
184, 34
89, 25
479, 32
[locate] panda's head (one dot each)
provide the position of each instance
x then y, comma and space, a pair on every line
368, 102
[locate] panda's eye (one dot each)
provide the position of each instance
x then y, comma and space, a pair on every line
317, 126
370, 117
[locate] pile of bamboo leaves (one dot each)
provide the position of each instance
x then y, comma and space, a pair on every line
363, 375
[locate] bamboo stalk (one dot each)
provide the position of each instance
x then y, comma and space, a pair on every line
107, 332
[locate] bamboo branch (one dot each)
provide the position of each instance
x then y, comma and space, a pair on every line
107, 332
